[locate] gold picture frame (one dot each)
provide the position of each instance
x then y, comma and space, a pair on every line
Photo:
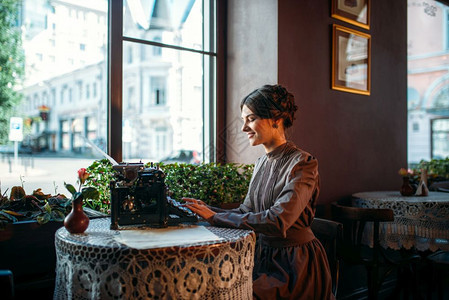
356, 12
351, 60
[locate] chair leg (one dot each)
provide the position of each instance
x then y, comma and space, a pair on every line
400, 285
439, 273
373, 282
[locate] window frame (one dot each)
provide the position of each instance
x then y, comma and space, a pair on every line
214, 139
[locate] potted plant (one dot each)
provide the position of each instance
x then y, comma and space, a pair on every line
222, 185
28, 223
437, 172
216, 184
101, 174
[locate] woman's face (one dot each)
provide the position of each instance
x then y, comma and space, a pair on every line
259, 131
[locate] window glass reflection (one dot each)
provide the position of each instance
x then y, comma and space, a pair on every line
428, 80
163, 105
63, 93
174, 22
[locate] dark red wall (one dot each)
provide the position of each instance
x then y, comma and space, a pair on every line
360, 141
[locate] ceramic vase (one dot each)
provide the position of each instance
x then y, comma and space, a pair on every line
406, 188
76, 221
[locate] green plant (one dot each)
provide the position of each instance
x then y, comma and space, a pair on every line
101, 174
437, 170
213, 183
43, 207
38, 206
87, 193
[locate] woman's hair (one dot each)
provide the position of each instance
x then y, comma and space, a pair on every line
272, 102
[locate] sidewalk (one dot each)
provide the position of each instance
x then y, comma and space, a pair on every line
46, 173
10, 170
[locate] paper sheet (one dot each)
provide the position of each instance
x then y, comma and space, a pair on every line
165, 237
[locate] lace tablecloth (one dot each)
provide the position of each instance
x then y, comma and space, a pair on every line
95, 265
419, 222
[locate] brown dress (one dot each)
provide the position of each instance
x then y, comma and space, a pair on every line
290, 263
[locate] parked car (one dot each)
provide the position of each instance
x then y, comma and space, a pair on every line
183, 156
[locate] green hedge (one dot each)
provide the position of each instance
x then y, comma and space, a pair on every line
213, 183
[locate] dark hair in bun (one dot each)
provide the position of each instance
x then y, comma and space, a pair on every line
272, 102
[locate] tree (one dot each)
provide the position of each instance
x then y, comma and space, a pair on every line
11, 63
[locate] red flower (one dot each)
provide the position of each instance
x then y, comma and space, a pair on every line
406, 172
83, 175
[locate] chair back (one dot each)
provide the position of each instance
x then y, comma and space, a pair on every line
329, 233
353, 252
354, 220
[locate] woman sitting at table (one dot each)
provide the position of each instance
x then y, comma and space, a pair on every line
290, 263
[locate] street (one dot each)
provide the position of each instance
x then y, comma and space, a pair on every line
46, 173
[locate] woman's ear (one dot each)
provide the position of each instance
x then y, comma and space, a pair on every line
276, 123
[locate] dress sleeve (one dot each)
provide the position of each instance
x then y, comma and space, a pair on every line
300, 189
223, 210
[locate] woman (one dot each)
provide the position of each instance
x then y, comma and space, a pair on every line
290, 263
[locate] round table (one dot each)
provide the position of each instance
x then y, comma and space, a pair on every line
419, 222
95, 265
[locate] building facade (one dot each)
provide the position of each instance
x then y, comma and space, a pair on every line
65, 91
428, 80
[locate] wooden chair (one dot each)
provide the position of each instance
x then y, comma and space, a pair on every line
353, 252
329, 233
6, 284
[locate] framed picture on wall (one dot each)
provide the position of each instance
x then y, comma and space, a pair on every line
356, 12
351, 60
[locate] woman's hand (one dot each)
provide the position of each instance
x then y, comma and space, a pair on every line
192, 200
200, 208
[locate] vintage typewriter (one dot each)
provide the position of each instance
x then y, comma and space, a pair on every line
139, 197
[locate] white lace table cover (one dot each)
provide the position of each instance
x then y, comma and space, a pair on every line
94, 265
419, 222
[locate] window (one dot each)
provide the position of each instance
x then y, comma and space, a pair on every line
157, 51
440, 138
158, 90
428, 80
130, 99
130, 55
52, 68
171, 90
53, 97
175, 86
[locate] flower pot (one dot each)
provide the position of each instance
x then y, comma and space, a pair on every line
27, 249
76, 221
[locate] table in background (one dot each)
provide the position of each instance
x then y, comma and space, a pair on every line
419, 222
94, 265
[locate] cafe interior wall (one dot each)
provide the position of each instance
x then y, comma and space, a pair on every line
359, 140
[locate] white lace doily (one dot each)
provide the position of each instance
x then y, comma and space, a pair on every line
419, 222
94, 265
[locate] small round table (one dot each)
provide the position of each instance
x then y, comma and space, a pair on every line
96, 265
419, 222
